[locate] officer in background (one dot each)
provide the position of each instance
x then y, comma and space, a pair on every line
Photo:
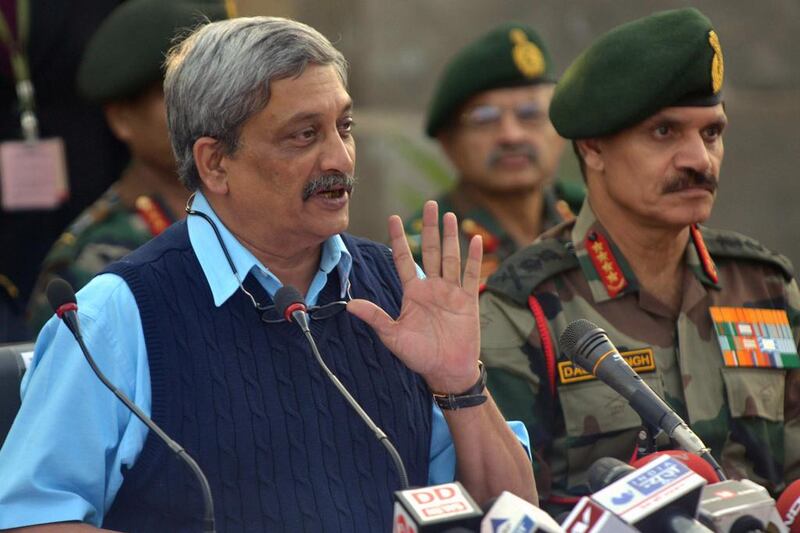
41, 50
710, 319
489, 114
122, 70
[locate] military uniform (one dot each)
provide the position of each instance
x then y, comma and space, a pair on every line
748, 416
102, 234
476, 220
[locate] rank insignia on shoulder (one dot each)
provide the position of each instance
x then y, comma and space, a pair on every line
470, 228
641, 360
153, 215
605, 263
755, 338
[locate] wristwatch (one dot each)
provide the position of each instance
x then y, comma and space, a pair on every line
469, 398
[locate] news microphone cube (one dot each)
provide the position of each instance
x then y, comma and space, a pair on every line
725, 502
589, 517
639, 497
435, 509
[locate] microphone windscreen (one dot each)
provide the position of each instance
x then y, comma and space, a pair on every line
606, 471
699, 465
59, 292
788, 505
286, 296
574, 332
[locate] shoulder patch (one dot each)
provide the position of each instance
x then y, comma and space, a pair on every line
733, 245
522, 272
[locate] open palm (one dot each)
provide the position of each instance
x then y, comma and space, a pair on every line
438, 331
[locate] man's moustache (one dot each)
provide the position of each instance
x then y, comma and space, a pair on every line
525, 150
328, 182
691, 179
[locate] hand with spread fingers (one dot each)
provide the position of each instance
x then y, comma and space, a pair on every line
438, 331
437, 335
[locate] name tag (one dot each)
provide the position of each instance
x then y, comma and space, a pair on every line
641, 361
755, 338
33, 175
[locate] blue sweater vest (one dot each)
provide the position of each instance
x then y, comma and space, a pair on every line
282, 450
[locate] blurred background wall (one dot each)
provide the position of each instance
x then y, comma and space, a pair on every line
397, 48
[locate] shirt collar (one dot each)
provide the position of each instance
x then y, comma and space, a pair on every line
222, 281
608, 272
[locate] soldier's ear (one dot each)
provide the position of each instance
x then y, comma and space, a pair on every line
209, 157
117, 116
592, 153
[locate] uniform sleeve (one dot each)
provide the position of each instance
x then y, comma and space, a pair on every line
791, 410
63, 457
509, 341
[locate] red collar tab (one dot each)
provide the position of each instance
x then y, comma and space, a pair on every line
604, 263
705, 258
153, 215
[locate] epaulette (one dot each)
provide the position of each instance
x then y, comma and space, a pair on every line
529, 267
733, 245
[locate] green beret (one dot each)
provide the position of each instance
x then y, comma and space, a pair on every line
630, 73
510, 55
126, 53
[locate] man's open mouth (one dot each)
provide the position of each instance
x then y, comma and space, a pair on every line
330, 186
333, 193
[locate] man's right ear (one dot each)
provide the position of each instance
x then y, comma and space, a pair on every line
209, 157
591, 153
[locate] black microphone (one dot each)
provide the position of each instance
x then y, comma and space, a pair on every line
290, 304
590, 348
606, 471
62, 299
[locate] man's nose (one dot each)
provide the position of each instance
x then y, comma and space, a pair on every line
510, 129
338, 154
693, 153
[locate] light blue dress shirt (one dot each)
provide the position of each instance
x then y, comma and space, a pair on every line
64, 456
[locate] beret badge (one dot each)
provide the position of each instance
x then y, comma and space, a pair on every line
717, 66
527, 56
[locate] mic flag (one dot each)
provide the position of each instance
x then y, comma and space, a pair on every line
692, 460
789, 506
435, 509
656, 497
589, 517
512, 514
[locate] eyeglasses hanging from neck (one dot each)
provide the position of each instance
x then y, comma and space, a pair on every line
269, 314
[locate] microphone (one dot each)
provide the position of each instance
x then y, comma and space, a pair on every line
62, 299
741, 506
511, 514
290, 304
440, 509
789, 506
661, 496
692, 460
589, 517
590, 348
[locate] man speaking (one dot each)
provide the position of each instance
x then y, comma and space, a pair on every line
262, 127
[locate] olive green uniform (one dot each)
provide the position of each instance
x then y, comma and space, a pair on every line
102, 234
476, 220
749, 417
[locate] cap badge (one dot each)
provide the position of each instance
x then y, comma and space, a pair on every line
717, 66
527, 56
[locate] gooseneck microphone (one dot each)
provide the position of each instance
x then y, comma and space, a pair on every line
62, 299
590, 348
290, 304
